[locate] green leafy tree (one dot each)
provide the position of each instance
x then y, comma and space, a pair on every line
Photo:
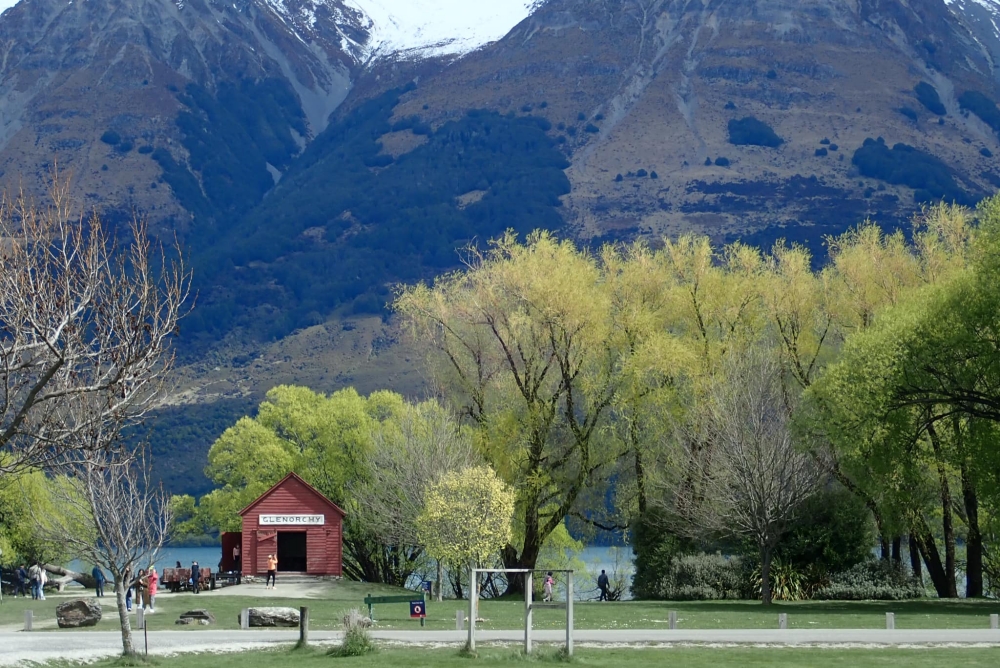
467, 517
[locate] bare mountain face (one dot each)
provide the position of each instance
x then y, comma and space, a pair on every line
639, 87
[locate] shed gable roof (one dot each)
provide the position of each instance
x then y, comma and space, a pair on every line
294, 477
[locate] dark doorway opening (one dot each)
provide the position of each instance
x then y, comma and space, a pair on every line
292, 551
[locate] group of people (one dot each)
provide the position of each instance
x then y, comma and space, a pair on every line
145, 585
31, 580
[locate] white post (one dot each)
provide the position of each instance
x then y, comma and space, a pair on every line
673, 620
459, 620
783, 620
569, 613
995, 621
890, 621
245, 618
140, 618
473, 595
28, 619
527, 612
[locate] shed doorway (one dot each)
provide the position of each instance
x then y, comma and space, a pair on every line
292, 551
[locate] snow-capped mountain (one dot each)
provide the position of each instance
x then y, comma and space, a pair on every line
982, 18
438, 27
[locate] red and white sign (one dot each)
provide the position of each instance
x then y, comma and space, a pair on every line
308, 520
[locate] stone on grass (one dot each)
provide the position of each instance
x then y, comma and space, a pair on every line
199, 615
274, 617
78, 612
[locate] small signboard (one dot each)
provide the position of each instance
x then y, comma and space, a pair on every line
418, 609
311, 520
427, 586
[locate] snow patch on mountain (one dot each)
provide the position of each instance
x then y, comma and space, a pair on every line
438, 27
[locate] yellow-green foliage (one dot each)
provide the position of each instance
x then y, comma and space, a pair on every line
25, 500
467, 518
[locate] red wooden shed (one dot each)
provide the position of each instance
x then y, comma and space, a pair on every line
298, 524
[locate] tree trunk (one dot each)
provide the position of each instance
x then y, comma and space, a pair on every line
128, 647
640, 481
884, 548
929, 552
85, 579
765, 575
974, 542
897, 557
440, 581
528, 557
947, 515
915, 560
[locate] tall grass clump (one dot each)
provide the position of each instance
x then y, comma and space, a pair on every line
357, 638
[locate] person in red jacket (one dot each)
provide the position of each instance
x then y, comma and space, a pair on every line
154, 585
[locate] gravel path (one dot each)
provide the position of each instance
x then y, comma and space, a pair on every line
19, 648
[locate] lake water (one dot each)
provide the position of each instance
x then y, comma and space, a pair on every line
595, 558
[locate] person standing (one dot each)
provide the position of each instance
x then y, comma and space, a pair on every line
127, 579
602, 584
43, 578
99, 580
153, 586
549, 581
34, 576
22, 581
272, 571
236, 558
195, 577
140, 589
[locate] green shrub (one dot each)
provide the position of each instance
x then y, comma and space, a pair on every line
872, 580
927, 95
703, 577
111, 138
909, 113
357, 638
905, 165
834, 532
748, 131
722, 161
820, 152
787, 582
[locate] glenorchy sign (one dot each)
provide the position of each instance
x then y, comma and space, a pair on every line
311, 520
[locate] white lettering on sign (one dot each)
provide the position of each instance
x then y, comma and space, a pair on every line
312, 520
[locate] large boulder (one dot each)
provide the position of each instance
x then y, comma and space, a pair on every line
274, 617
78, 612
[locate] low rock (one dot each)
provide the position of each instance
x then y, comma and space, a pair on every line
199, 615
185, 620
274, 617
78, 612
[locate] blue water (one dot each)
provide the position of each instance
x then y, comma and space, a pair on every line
595, 559
168, 558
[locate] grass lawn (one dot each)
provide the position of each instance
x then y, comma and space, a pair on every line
327, 612
598, 658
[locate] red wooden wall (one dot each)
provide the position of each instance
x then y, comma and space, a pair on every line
291, 496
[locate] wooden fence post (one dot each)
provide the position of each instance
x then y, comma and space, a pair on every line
890, 621
303, 626
672, 617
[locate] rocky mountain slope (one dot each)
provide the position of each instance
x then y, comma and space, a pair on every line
644, 86
312, 153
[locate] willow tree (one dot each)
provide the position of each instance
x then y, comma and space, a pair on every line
523, 341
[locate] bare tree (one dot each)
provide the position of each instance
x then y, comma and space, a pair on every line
83, 326
743, 474
410, 455
111, 514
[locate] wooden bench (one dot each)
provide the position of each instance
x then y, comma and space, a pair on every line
370, 601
